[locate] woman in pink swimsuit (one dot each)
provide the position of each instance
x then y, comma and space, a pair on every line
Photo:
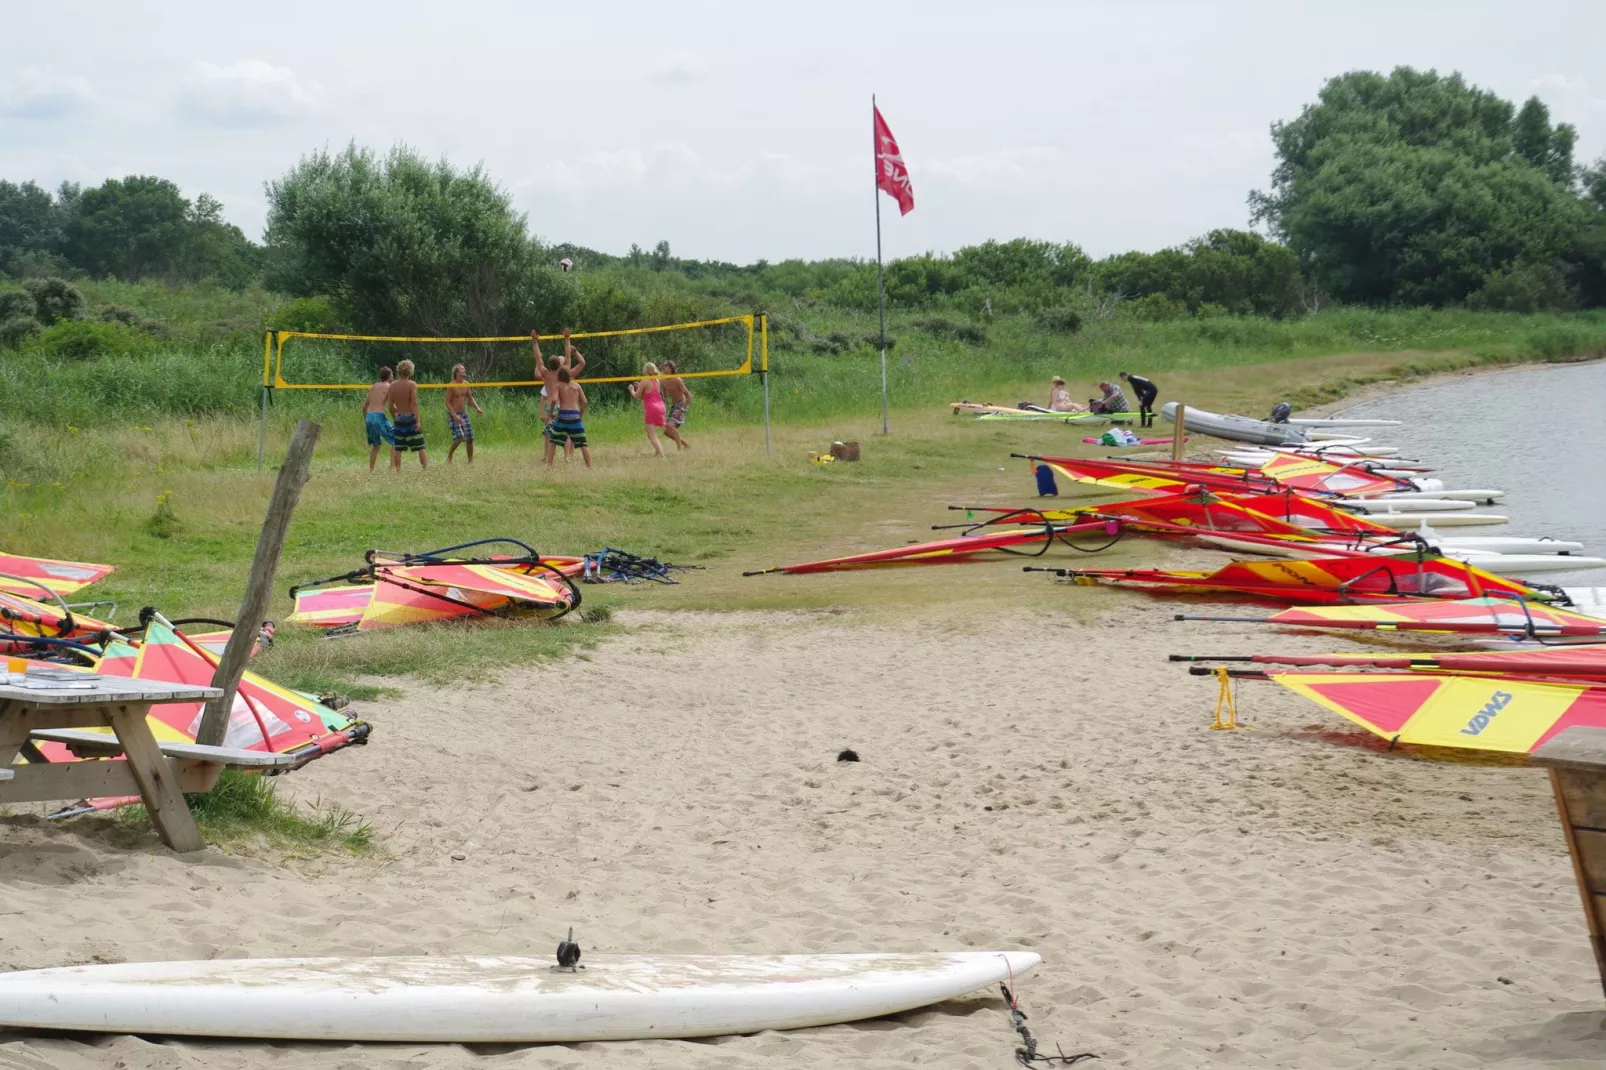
652, 404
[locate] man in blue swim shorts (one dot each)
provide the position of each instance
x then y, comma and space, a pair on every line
569, 425
375, 425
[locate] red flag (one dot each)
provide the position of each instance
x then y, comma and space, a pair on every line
891, 175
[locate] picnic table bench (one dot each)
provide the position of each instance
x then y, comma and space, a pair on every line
57, 705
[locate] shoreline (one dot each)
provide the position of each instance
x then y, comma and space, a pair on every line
1374, 390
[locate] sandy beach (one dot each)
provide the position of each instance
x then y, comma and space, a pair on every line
1279, 897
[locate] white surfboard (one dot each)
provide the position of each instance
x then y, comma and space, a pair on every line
493, 999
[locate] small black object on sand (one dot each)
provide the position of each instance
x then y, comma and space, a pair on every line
848, 756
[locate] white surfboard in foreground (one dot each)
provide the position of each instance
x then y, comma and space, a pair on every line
493, 999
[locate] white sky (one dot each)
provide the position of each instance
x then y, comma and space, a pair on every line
742, 130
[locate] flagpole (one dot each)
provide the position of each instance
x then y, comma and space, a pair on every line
880, 279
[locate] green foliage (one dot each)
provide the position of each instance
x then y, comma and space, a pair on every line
940, 327
129, 227
164, 522
14, 303
408, 247
18, 329
30, 224
1063, 319
313, 314
1416, 188
74, 340
55, 299
1524, 287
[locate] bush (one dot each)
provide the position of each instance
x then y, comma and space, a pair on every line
938, 327
1530, 287
1561, 340
313, 314
82, 340
1068, 320
119, 314
18, 329
15, 303
56, 299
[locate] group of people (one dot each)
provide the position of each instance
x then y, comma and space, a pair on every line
391, 412
1112, 399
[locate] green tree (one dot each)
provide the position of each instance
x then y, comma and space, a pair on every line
409, 247
1416, 188
130, 228
30, 222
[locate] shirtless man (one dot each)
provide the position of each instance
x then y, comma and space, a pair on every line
459, 397
679, 398
546, 370
373, 416
569, 423
407, 435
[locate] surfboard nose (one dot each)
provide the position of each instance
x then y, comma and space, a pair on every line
1021, 961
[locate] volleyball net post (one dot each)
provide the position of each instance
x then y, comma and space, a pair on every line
755, 360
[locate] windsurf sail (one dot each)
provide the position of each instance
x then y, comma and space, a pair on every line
1509, 714
265, 716
962, 548
1471, 616
1314, 475
1572, 662
396, 589
1356, 578
23, 575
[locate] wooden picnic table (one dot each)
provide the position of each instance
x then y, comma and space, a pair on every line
46, 699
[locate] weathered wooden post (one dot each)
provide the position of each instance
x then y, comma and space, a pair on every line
1179, 432
259, 588
1576, 759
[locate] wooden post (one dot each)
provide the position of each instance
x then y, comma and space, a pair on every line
259, 588
1179, 432
1576, 759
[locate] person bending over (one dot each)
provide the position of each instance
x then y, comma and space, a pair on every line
1112, 401
1147, 392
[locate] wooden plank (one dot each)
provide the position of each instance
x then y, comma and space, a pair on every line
1579, 747
107, 689
1591, 860
18, 719
1594, 915
1583, 793
157, 787
259, 588
13, 733
99, 744
95, 780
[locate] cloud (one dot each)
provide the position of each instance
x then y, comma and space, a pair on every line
248, 93
678, 68
41, 93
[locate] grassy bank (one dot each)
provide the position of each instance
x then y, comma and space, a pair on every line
89, 489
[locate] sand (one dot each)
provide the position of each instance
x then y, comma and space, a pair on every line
1272, 898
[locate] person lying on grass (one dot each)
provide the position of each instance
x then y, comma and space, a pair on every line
459, 396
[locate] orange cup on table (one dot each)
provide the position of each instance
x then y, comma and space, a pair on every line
17, 665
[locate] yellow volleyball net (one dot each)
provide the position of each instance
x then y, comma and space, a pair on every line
730, 346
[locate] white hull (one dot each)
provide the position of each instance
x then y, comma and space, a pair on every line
492, 999
1497, 563
1235, 428
1411, 521
1503, 544
1373, 506
1522, 564
1477, 496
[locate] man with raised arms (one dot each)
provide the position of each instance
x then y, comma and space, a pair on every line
546, 370
568, 425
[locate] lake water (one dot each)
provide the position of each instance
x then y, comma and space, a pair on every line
1538, 433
